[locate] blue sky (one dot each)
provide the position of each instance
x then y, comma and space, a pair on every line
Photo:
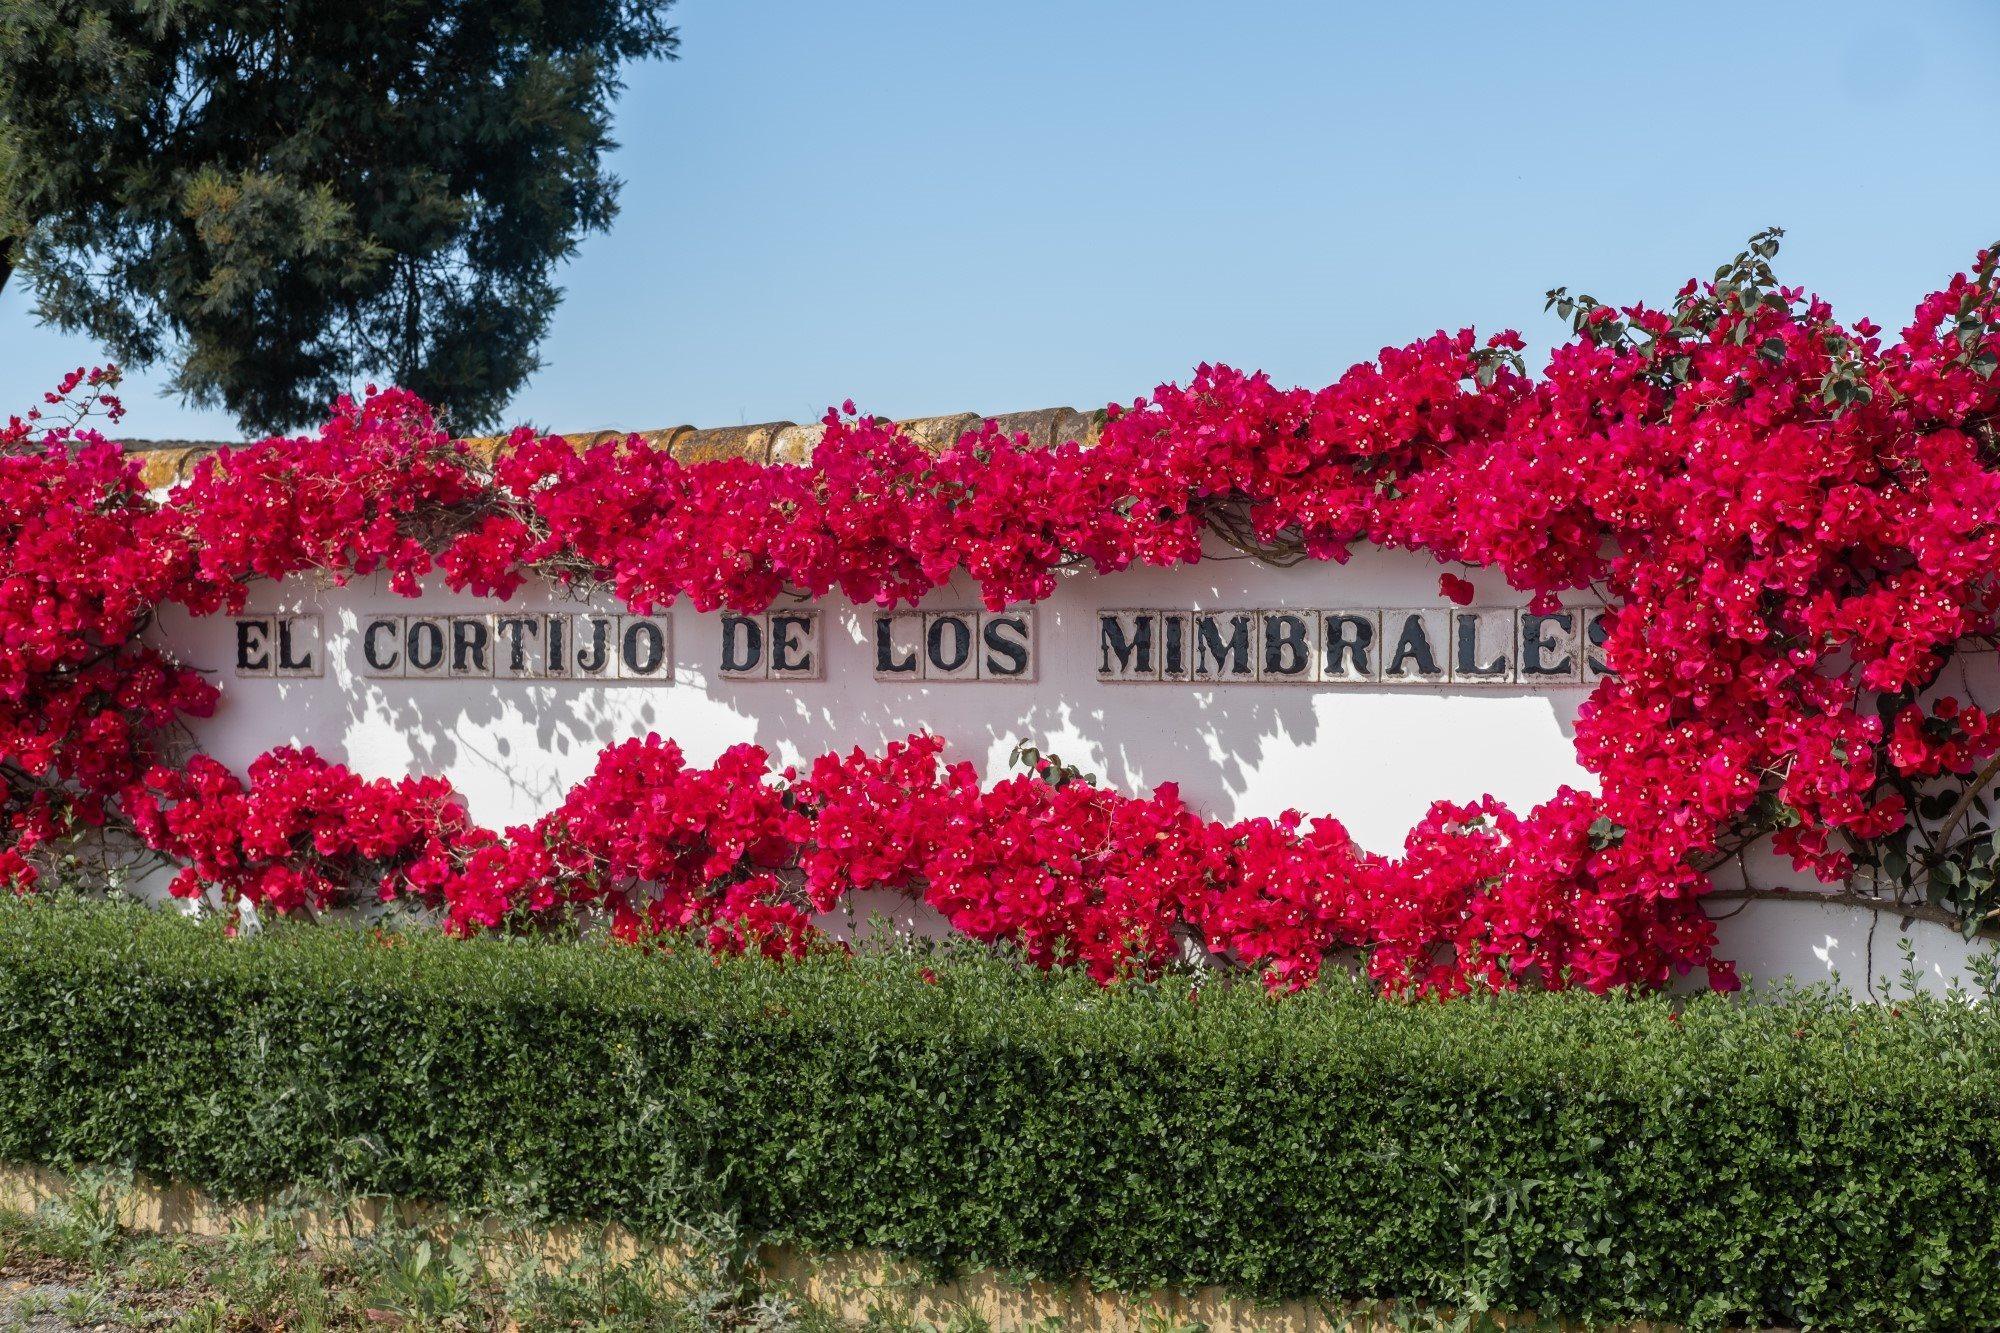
947, 207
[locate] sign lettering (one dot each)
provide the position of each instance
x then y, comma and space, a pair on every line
1408, 646
1284, 646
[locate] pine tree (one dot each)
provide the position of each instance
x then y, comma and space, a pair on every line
276, 197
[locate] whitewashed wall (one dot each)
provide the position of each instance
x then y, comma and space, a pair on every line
1374, 756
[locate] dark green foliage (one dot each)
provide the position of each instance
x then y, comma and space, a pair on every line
1807, 1161
284, 196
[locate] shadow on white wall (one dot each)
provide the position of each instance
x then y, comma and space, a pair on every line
1372, 756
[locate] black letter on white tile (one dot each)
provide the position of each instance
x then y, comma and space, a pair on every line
1006, 640
595, 652
1287, 646
792, 644
1537, 642
383, 658
642, 650
743, 645
516, 633
948, 645
887, 664
253, 647
1413, 645
1125, 646
423, 645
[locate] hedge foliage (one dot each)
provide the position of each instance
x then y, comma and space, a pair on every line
1809, 1161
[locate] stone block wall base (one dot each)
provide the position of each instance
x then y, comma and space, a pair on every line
849, 1284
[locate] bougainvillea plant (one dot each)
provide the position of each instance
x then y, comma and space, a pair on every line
1796, 523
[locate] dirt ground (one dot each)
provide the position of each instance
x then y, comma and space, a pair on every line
41, 1295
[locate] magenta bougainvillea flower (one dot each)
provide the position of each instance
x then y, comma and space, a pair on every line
1796, 523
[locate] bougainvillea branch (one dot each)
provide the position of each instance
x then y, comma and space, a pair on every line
1794, 521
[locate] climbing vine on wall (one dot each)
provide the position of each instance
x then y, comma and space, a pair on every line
1796, 521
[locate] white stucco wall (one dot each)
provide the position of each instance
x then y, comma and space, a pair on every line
1373, 756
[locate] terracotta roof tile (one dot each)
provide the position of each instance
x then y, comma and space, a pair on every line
168, 461
747, 442
795, 444
936, 434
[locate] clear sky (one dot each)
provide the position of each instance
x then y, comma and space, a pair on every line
951, 207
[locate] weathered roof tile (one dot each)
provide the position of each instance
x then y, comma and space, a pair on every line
934, 435
168, 461
1039, 425
795, 444
747, 442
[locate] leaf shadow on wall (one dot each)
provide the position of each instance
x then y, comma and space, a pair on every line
1373, 757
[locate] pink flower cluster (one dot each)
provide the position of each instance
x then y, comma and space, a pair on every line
1794, 520
82, 702
300, 833
1069, 871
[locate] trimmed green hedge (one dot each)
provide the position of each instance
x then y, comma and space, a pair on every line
1807, 1161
